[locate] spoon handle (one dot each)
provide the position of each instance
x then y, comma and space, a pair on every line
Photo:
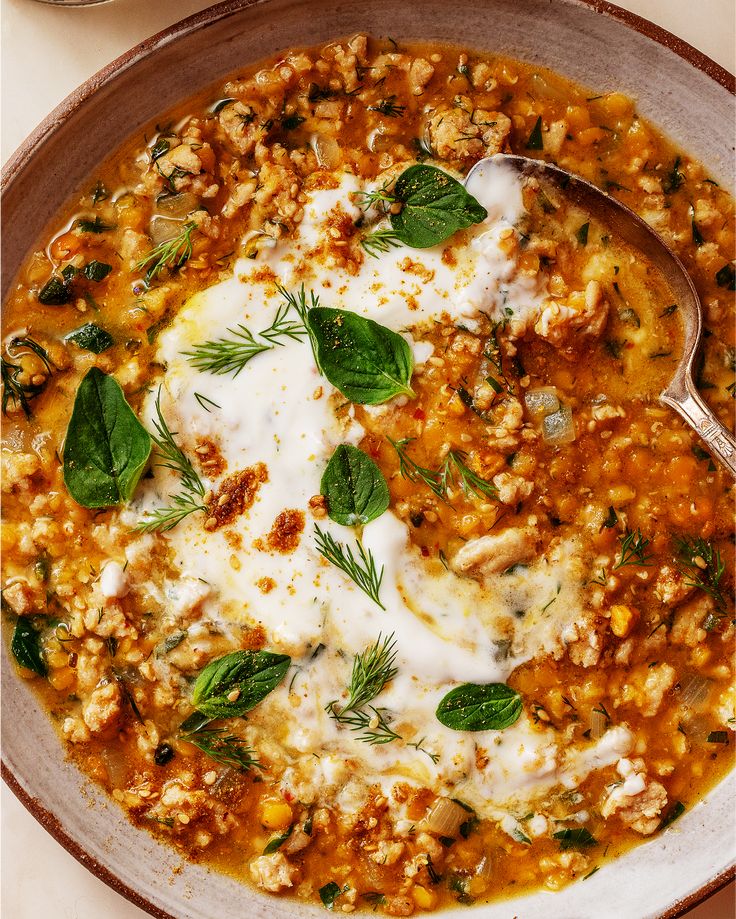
718, 438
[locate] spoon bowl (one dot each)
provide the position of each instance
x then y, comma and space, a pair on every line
681, 394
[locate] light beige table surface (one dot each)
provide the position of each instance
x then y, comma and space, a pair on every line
46, 53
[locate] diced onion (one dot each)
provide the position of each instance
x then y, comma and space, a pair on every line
694, 690
484, 869
545, 90
541, 402
177, 205
327, 151
162, 229
697, 728
445, 817
559, 427
598, 724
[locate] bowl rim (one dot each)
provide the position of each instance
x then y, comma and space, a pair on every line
77, 98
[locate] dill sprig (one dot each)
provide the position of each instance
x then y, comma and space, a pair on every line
16, 390
380, 241
705, 566
388, 107
230, 355
226, 749
454, 473
372, 670
191, 496
302, 303
633, 549
362, 570
377, 198
172, 253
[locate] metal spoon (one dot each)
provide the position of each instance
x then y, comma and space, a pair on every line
681, 394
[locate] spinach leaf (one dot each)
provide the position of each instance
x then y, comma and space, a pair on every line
677, 810
725, 277
354, 486
96, 271
248, 676
329, 893
54, 292
367, 362
91, 337
434, 207
470, 707
275, 842
536, 140
578, 838
106, 447
26, 647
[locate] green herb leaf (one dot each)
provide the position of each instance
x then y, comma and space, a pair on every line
329, 893
252, 674
677, 810
159, 148
18, 390
226, 749
725, 277
354, 487
718, 737
361, 570
171, 254
91, 337
435, 206
93, 226
674, 178
54, 293
367, 362
96, 271
582, 234
275, 842
26, 647
291, 122
611, 519
470, 707
536, 141
578, 838
106, 447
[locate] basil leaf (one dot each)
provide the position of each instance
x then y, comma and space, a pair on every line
578, 838
434, 207
329, 893
252, 674
491, 707
354, 486
54, 293
26, 647
96, 271
106, 447
367, 362
91, 337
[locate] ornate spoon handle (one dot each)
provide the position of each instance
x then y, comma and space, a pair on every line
718, 438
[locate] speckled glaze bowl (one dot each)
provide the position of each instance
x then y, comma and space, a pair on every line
592, 42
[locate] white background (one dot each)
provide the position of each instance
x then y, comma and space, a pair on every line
46, 53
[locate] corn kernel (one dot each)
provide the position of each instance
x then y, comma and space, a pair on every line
424, 899
623, 619
276, 815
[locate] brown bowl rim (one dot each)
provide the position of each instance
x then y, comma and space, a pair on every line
74, 101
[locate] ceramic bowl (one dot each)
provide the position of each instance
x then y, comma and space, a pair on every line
589, 41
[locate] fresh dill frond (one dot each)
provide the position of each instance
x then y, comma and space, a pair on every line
633, 549
388, 107
191, 496
361, 570
378, 198
172, 253
705, 566
230, 355
302, 302
204, 401
380, 241
372, 670
16, 390
454, 473
226, 749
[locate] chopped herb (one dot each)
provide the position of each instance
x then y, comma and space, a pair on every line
361, 570
388, 107
99, 193
93, 226
171, 456
677, 810
204, 401
17, 389
611, 519
26, 647
578, 838
699, 453
163, 754
161, 147
582, 234
55, 292
220, 105
614, 347
171, 254
226, 749
535, 141
718, 737
91, 337
591, 873
726, 277
674, 178
697, 235
633, 549
329, 893
291, 122
275, 842
170, 642
668, 311
705, 566
453, 473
